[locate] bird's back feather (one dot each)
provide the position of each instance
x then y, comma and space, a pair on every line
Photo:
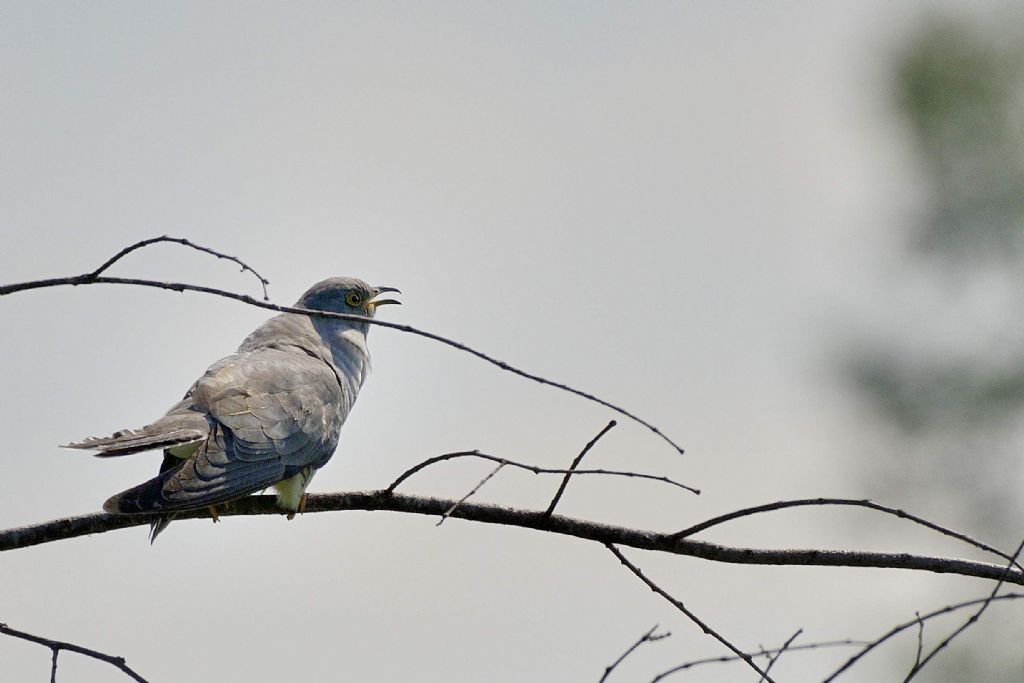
268, 413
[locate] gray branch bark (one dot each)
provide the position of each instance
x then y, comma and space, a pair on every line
666, 542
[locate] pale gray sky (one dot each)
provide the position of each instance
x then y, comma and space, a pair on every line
673, 205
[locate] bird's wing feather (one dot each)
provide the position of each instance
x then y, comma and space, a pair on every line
274, 413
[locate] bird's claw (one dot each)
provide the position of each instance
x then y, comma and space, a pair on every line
300, 510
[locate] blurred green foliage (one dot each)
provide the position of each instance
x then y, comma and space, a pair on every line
956, 410
961, 94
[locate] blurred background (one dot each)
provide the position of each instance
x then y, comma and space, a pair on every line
788, 234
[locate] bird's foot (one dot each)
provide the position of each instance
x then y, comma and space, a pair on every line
213, 513
300, 510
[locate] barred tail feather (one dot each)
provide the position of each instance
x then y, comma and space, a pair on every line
169, 431
116, 445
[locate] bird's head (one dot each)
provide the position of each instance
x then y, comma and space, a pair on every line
346, 295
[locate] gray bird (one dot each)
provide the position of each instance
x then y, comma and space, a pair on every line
270, 414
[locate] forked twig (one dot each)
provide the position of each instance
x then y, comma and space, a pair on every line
184, 242
920, 643
774, 656
532, 468
649, 637
918, 619
733, 658
574, 465
690, 615
973, 619
57, 645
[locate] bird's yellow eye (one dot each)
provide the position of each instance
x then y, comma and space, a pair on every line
353, 299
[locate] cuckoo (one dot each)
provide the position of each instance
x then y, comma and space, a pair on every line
268, 415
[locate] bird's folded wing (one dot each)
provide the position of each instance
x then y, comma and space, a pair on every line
274, 413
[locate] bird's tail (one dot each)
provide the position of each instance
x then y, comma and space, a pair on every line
157, 527
146, 498
170, 431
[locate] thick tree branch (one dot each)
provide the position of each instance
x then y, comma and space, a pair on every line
72, 527
843, 502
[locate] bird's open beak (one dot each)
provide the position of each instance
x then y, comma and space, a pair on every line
377, 291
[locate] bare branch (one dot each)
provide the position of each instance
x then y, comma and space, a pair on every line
180, 240
88, 279
803, 502
72, 527
689, 615
920, 644
774, 657
574, 465
532, 468
973, 619
57, 645
896, 630
476, 488
733, 658
649, 637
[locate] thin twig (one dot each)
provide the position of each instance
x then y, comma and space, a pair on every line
462, 500
920, 643
72, 527
733, 658
864, 503
57, 645
574, 465
180, 240
649, 637
973, 619
532, 468
896, 630
87, 279
690, 615
774, 657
